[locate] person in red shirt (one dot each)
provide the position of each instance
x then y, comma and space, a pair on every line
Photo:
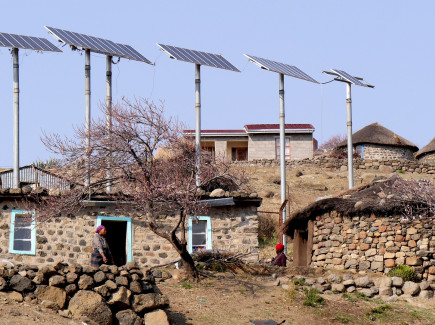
280, 258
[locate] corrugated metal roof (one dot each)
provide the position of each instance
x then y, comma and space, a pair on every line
249, 127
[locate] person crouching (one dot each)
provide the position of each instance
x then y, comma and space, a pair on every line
280, 259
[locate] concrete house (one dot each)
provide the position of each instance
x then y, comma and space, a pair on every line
231, 224
427, 153
258, 141
363, 230
375, 141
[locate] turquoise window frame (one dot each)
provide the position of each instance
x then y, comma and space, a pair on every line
32, 250
209, 234
129, 240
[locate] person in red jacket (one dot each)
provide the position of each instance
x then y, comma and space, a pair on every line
280, 258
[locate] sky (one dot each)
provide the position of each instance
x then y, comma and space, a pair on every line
389, 43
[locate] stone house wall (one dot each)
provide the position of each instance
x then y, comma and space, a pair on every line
428, 157
369, 244
234, 229
262, 146
377, 151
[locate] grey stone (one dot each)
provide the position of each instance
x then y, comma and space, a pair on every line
149, 301
85, 282
102, 290
20, 283
128, 317
397, 281
362, 282
385, 291
334, 278
135, 287
111, 285
71, 289
52, 294
393, 298
71, 277
92, 305
350, 289
121, 281
364, 265
120, 298
99, 277
319, 287
56, 280
386, 282
426, 294
368, 292
321, 280
157, 317
424, 285
410, 288
337, 287
349, 282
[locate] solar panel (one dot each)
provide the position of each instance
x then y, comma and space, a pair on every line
349, 78
96, 44
26, 42
283, 68
198, 57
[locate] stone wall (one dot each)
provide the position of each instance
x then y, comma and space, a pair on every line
377, 151
384, 165
69, 239
367, 244
428, 157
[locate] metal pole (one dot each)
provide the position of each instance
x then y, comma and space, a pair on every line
16, 101
87, 113
198, 122
108, 116
282, 151
349, 135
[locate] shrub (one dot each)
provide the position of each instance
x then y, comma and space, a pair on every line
266, 230
312, 298
403, 271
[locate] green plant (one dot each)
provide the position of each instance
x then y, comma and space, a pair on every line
312, 298
186, 285
299, 281
403, 271
361, 296
375, 312
401, 171
342, 319
348, 297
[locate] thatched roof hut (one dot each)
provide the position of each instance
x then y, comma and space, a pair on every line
427, 152
377, 142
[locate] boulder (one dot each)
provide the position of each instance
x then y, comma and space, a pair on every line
3, 284
120, 298
75, 268
217, 193
70, 289
385, 291
15, 296
334, 278
349, 282
131, 265
149, 301
337, 287
111, 285
424, 285
386, 282
121, 281
56, 281
362, 282
99, 277
20, 283
135, 287
71, 277
102, 290
91, 305
426, 294
52, 294
157, 317
410, 288
85, 282
397, 281
128, 317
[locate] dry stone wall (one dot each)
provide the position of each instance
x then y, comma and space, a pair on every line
374, 151
367, 244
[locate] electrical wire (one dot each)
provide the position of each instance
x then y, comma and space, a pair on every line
154, 74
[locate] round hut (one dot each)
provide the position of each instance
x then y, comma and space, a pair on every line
377, 142
427, 153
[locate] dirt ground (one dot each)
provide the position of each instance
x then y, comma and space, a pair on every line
225, 298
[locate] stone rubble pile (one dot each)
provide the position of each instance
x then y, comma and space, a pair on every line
105, 295
389, 289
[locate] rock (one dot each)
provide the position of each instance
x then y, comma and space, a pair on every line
85, 282
426, 294
64, 313
20, 283
38, 279
90, 304
337, 287
99, 277
393, 298
121, 281
70, 289
217, 193
53, 294
385, 282
318, 287
3, 283
128, 317
15, 296
321, 280
71, 277
102, 290
48, 271
410, 288
285, 286
157, 317
424, 285
149, 301
358, 204
368, 292
56, 280
385, 291
414, 261
350, 289
113, 269
362, 282
111, 285
49, 305
350, 282
397, 281
334, 278
120, 298
135, 287
75, 268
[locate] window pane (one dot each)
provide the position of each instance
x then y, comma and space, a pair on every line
22, 233
23, 221
22, 245
199, 240
198, 248
199, 227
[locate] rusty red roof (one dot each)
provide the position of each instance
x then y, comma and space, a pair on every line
249, 127
215, 131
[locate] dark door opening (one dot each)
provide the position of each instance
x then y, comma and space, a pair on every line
116, 239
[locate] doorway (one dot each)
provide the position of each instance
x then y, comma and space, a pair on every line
118, 237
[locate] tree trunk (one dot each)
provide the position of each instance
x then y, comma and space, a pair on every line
189, 264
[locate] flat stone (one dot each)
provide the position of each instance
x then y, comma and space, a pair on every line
397, 281
338, 287
149, 301
386, 282
385, 291
349, 282
157, 317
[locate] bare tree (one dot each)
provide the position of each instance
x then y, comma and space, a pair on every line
333, 142
147, 184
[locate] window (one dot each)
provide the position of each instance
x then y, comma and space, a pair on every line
22, 237
199, 234
287, 148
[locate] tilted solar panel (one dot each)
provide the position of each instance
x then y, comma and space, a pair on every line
198, 57
27, 42
96, 44
279, 67
349, 78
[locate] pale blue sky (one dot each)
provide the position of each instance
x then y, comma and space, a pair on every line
390, 43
